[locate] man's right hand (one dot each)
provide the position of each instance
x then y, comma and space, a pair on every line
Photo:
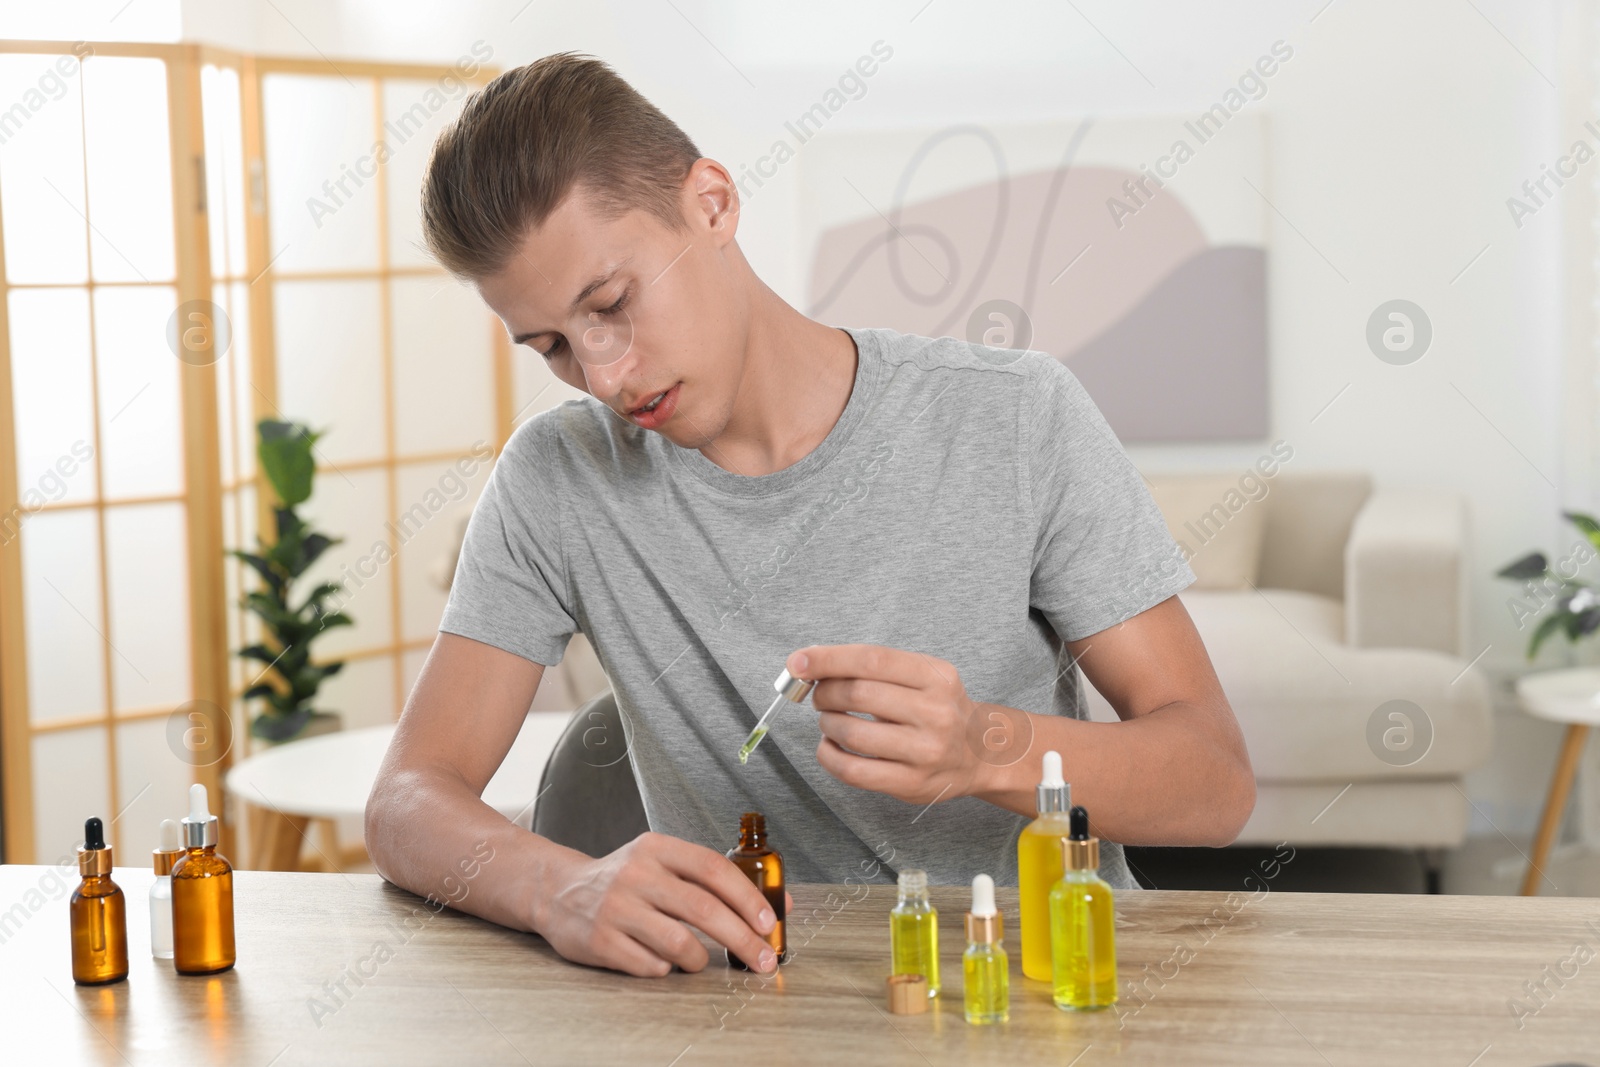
632, 910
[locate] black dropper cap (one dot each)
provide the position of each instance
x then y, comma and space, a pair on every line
94, 835
1078, 824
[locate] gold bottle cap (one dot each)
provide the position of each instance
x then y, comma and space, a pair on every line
985, 929
171, 848
984, 924
94, 861
1081, 855
908, 994
1080, 851
94, 855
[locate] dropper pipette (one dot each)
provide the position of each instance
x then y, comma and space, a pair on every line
789, 689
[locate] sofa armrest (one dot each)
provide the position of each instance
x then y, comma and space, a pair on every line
1405, 572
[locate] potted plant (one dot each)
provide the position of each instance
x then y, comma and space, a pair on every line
1576, 603
288, 684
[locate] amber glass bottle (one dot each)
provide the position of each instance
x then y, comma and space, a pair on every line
202, 895
99, 915
764, 867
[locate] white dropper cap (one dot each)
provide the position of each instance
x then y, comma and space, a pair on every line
199, 826
1052, 769
983, 896
170, 838
984, 925
1053, 794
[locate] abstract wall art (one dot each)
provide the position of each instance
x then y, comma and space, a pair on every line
1130, 248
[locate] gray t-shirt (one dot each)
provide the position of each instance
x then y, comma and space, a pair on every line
971, 503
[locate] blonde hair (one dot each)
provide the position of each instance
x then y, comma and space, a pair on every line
530, 137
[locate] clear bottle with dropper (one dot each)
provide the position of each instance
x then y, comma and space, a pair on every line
1083, 925
985, 968
161, 860
1039, 867
202, 895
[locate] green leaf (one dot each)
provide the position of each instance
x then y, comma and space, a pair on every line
261, 690
315, 598
1525, 569
260, 652
332, 619
1590, 528
290, 526
1547, 626
273, 727
261, 566
314, 546
286, 458
271, 611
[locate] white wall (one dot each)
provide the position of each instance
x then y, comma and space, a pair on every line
1396, 133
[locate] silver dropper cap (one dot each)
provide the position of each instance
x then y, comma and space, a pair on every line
796, 689
199, 826
1053, 793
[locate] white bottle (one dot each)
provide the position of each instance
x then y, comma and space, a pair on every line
161, 891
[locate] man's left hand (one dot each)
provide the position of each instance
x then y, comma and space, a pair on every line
916, 745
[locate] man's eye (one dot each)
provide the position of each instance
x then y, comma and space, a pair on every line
622, 302
561, 342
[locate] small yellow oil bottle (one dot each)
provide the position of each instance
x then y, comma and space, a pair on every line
99, 915
1039, 868
914, 931
985, 968
1082, 925
202, 895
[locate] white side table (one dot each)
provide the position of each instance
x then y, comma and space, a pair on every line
1569, 696
331, 775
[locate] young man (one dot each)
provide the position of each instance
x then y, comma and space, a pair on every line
940, 534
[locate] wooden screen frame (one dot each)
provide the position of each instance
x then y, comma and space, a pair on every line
201, 426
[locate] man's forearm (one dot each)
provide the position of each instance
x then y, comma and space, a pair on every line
1173, 776
429, 834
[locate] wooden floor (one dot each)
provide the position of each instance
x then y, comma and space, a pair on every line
345, 969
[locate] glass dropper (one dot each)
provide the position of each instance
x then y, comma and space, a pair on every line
790, 689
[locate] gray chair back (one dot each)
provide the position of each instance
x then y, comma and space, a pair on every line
588, 799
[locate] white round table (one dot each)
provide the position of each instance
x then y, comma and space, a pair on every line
331, 775
1569, 696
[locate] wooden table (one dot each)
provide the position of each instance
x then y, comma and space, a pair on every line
1277, 978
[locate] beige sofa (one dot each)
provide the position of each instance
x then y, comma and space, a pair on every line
1355, 598
1359, 598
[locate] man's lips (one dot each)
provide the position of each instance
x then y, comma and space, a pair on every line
641, 405
660, 413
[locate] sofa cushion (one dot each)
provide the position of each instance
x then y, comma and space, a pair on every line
1304, 699
1218, 527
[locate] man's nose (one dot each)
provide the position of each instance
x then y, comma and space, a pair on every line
605, 351
605, 378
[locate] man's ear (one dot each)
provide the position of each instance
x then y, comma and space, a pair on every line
716, 198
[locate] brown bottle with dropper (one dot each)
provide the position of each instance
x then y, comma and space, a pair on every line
202, 895
99, 915
763, 866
